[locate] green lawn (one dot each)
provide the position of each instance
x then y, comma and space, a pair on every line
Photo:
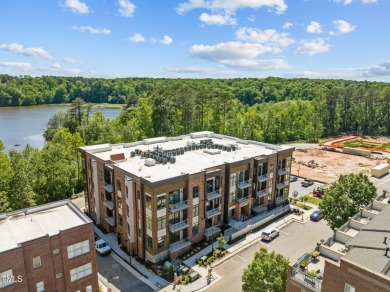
312, 200
302, 206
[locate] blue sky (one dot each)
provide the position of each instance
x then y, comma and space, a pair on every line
196, 38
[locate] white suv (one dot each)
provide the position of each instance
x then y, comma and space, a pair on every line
102, 247
269, 234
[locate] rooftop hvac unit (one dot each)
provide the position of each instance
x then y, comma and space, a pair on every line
132, 153
173, 159
164, 161
150, 162
228, 148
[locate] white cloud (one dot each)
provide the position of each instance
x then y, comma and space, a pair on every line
251, 17
382, 69
192, 69
92, 30
343, 27
248, 64
346, 2
166, 40
76, 6
69, 60
369, 1
217, 19
55, 66
287, 25
231, 6
269, 37
137, 38
30, 52
126, 8
16, 65
317, 46
314, 27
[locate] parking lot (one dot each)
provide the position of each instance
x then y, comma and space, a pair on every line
294, 240
302, 191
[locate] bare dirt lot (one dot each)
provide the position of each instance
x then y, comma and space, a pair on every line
330, 164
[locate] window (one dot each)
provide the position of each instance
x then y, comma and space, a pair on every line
37, 262
40, 287
195, 228
149, 241
6, 278
78, 249
232, 197
119, 203
148, 201
161, 202
148, 222
120, 219
118, 185
174, 197
138, 195
127, 192
161, 222
80, 272
161, 242
233, 178
195, 211
101, 174
102, 195
88, 288
195, 192
127, 210
349, 288
139, 234
128, 228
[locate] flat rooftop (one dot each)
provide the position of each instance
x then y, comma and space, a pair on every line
190, 162
35, 222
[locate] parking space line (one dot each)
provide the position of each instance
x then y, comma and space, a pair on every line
241, 257
284, 232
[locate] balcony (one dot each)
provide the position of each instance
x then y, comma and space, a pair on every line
281, 185
173, 208
262, 178
111, 220
178, 226
212, 230
244, 184
213, 195
308, 281
243, 199
260, 209
213, 213
282, 171
174, 247
109, 204
261, 193
108, 188
280, 199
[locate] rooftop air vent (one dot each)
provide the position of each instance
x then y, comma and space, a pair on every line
212, 151
150, 162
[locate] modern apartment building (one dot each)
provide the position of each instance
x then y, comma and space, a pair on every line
163, 194
47, 248
356, 258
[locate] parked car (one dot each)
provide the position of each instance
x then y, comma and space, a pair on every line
270, 234
316, 215
318, 192
293, 178
307, 182
102, 247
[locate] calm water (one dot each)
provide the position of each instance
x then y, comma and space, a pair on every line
25, 125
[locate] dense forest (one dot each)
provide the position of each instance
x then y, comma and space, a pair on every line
273, 110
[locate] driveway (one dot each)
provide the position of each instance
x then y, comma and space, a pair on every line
294, 240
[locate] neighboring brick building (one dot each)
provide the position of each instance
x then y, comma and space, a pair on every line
356, 258
163, 194
47, 248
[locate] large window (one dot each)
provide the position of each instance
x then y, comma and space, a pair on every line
120, 219
161, 202
149, 241
40, 287
78, 249
6, 278
161, 242
37, 262
127, 210
148, 201
195, 210
118, 185
195, 228
161, 222
233, 178
80, 272
148, 222
232, 197
174, 197
119, 202
88, 288
349, 288
127, 192
195, 192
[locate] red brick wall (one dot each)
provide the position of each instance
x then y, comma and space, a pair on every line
13, 259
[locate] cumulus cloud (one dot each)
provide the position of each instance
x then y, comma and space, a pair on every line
314, 27
92, 30
137, 38
269, 37
166, 40
16, 65
369, 1
76, 6
382, 69
345, 2
126, 8
231, 6
217, 19
192, 69
248, 64
287, 25
30, 52
314, 47
69, 60
55, 66
343, 27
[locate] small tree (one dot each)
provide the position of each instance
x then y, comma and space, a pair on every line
345, 197
221, 241
267, 272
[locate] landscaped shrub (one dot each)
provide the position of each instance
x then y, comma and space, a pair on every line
304, 263
315, 254
311, 273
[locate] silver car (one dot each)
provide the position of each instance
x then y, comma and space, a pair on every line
270, 234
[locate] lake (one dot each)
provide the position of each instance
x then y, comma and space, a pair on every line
25, 125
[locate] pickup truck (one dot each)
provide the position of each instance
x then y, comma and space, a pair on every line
102, 247
307, 182
318, 192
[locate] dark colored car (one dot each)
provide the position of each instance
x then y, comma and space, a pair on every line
307, 182
293, 178
316, 215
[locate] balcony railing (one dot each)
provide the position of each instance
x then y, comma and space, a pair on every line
260, 209
213, 195
173, 208
108, 188
308, 281
244, 184
111, 220
174, 247
280, 199
262, 193
282, 171
212, 230
179, 226
281, 185
213, 212
109, 204
262, 178
243, 199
